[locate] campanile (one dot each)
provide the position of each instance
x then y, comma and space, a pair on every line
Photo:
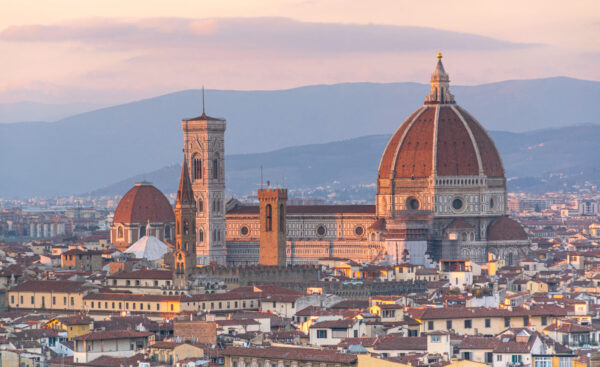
204, 149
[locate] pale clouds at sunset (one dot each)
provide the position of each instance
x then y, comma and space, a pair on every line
108, 52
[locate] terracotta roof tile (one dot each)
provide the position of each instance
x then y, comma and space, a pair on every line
285, 353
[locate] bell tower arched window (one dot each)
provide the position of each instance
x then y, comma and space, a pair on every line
197, 167
200, 206
281, 219
215, 168
268, 218
200, 235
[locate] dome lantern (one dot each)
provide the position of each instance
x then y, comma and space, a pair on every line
440, 85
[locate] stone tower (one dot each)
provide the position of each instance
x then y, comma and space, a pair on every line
185, 233
272, 226
204, 148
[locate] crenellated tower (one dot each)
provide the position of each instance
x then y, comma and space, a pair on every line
204, 148
273, 226
185, 229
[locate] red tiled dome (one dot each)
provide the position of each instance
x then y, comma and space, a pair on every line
459, 144
440, 137
506, 229
142, 203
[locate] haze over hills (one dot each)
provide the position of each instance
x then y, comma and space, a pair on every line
94, 149
42, 112
535, 161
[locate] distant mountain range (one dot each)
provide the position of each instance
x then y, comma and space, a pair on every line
42, 112
94, 149
538, 161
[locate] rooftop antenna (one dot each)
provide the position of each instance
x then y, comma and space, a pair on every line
203, 99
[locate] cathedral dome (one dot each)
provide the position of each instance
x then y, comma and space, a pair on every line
506, 229
440, 139
144, 203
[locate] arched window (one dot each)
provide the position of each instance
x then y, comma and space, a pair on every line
168, 232
200, 206
268, 218
215, 168
197, 168
142, 231
120, 233
214, 236
200, 236
281, 219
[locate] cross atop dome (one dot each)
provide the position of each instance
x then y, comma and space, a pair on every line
440, 85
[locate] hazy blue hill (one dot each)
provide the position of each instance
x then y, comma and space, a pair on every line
34, 111
97, 148
536, 161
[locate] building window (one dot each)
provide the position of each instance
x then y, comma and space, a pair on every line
448, 324
215, 168
525, 321
168, 232
544, 320
196, 168
281, 219
172, 307
321, 230
53, 300
321, 334
499, 357
429, 325
12, 299
32, 300
542, 361
466, 356
565, 361
120, 232
268, 218
200, 236
467, 324
488, 323
517, 358
489, 357
436, 338
158, 307
507, 322
244, 231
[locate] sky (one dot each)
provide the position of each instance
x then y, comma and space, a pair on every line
108, 52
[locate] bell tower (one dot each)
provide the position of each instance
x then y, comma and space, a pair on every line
273, 227
204, 148
185, 234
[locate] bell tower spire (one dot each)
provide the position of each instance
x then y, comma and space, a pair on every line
440, 85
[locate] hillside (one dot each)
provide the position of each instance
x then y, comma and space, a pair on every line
541, 160
94, 149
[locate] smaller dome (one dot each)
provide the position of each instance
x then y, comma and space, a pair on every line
506, 229
144, 203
